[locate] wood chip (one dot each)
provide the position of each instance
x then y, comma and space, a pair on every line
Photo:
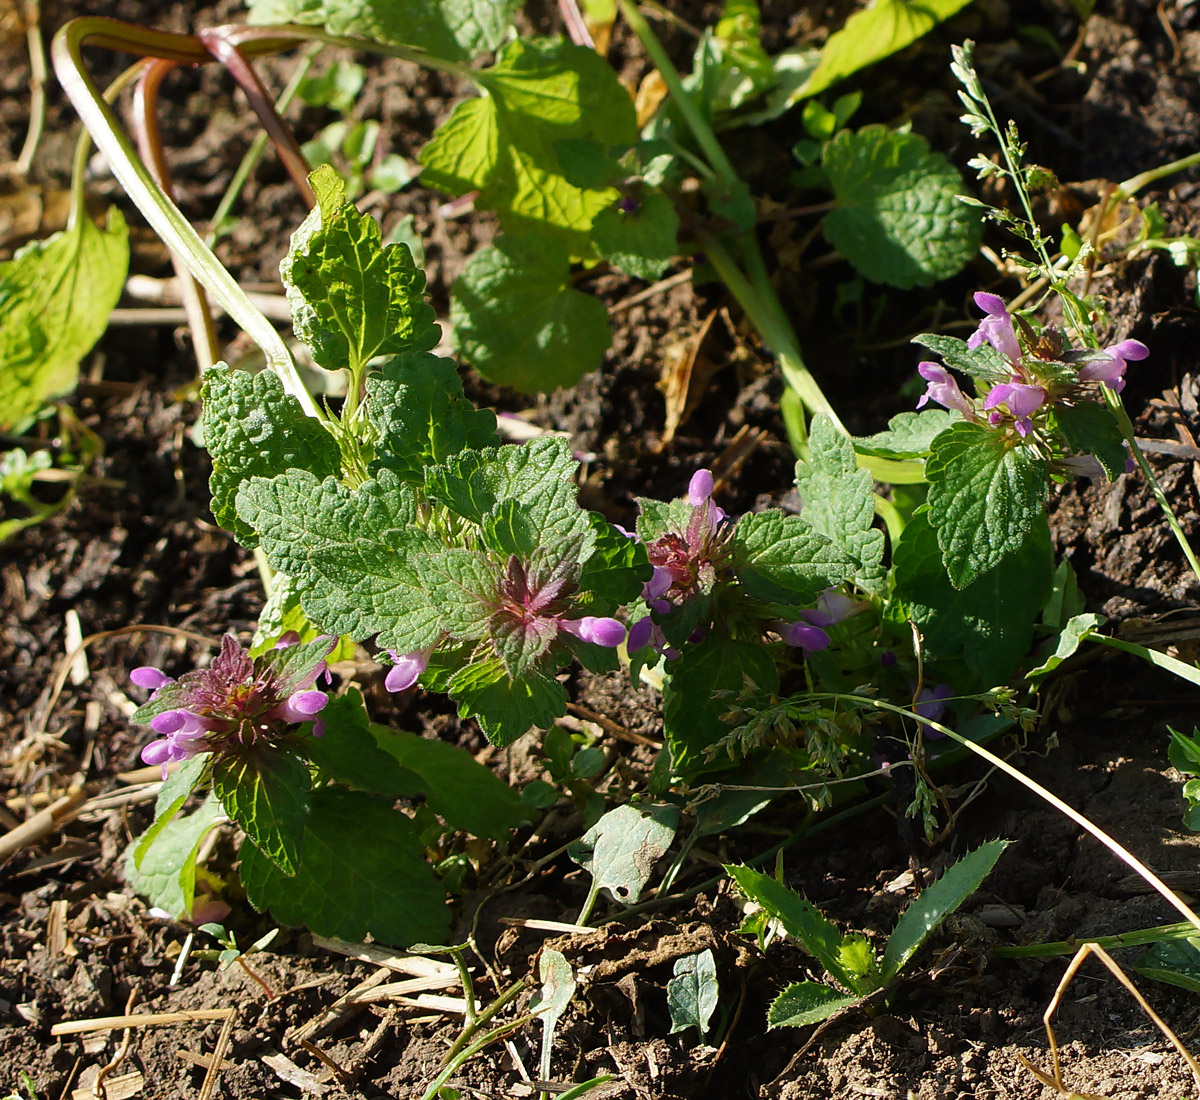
419, 966
204, 1061
288, 1071
56, 927
74, 644
115, 1088
397, 989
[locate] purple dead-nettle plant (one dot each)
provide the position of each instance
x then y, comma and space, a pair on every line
236, 702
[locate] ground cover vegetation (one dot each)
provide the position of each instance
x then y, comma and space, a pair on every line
891, 612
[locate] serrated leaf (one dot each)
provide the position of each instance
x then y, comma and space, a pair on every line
641, 242
908, 435
466, 793
617, 567
462, 585
539, 92
1070, 638
55, 298
349, 752
551, 1001
857, 955
265, 790
692, 992
780, 558
805, 1003
985, 492
416, 403
936, 903
983, 362
621, 849
539, 475
897, 218
518, 321
870, 35
990, 622
349, 552
800, 919
164, 871
353, 298
839, 503
282, 614
1091, 429
253, 428
364, 872
505, 707
692, 716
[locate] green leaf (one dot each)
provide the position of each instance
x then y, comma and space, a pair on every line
417, 405
800, 919
468, 795
618, 565
281, 614
353, 298
452, 29
908, 435
519, 322
744, 67
640, 242
990, 622
461, 584
1176, 962
364, 871
265, 790
804, 1003
505, 707
872, 34
55, 298
539, 92
985, 492
936, 903
839, 502
693, 719
692, 992
1091, 429
1184, 752
551, 1001
780, 558
1071, 637
349, 752
621, 849
984, 362
164, 870
349, 552
897, 218
171, 796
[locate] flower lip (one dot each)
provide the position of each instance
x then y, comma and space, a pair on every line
597, 630
700, 488
806, 636
150, 678
407, 669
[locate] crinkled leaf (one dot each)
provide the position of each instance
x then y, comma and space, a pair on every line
349, 552
985, 492
506, 708
1091, 429
462, 585
990, 622
364, 872
897, 217
416, 402
640, 242
839, 503
800, 919
618, 565
467, 794
908, 435
454, 29
282, 614
353, 298
508, 529
983, 362
503, 145
539, 475
265, 790
693, 713
164, 870
782, 559
692, 992
873, 33
55, 298
805, 1003
349, 751
1071, 637
937, 902
621, 849
294, 667
519, 642
519, 322
253, 428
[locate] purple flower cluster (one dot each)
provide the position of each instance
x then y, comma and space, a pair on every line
1016, 402
234, 702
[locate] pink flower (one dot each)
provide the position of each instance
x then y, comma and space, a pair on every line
996, 328
807, 637
407, 669
943, 389
596, 630
1111, 371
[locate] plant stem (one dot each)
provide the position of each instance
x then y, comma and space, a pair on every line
37, 86
490, 1037
1161, 660
1134, 184
162, 214
1160, 934
481, 1019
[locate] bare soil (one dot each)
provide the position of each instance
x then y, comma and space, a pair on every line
138, 549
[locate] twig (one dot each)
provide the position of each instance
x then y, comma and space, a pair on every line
148, 1019
218, 1055
122, 1051
41, 825
660, 287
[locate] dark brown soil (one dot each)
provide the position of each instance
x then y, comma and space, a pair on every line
138, 548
